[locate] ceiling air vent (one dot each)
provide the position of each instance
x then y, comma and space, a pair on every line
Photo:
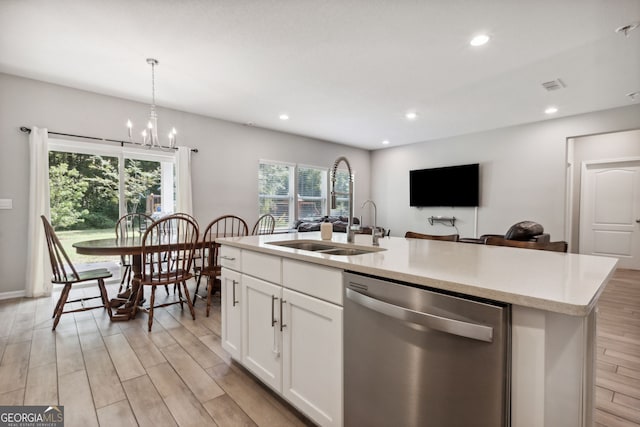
554, 85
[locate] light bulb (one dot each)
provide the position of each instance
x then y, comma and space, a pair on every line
149, 125
479, 40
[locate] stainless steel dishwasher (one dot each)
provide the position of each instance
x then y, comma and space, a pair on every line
418, 357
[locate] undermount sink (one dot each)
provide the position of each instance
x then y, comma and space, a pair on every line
326, 248
304, 245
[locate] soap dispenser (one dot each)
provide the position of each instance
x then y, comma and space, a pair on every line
326, 230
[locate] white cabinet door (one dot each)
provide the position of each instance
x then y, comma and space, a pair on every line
261, 338
231, 313
312, 357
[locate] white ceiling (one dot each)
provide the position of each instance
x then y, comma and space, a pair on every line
344, 70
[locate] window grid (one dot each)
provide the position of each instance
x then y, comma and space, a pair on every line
276, 184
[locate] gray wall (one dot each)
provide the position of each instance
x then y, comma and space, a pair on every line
522, 171
224, 173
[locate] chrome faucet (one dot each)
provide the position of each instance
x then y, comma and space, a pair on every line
374, 232
350, 194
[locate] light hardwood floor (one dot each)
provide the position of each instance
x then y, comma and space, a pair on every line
618, 358
115, 373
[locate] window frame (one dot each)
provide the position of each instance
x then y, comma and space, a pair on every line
122, 154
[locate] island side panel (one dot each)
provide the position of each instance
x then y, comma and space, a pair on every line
552, 368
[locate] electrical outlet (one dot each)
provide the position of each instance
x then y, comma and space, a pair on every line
6, 204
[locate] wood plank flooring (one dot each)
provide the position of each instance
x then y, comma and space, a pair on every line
618, 355
115, 373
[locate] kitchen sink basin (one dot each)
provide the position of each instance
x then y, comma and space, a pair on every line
304, 245
346, 251
326, 248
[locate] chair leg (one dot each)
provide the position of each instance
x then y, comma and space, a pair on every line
210, 281
139, 291
195, 293
55, 310
152, 299
179, 295
166, 288
188, 298
125, 275
105, 297
60, 306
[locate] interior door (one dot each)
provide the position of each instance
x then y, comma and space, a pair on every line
610, 211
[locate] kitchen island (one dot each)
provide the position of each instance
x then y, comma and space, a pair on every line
552, 298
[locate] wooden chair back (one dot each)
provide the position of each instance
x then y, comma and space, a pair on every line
171, 238
224, 226
559, 246
447, 237
131, 224
61, 265
265, 225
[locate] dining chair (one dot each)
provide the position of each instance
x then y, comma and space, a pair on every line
447, 237
196, 256
130, 225
559, 246
265, 225
65, 273
170, 238
224, 226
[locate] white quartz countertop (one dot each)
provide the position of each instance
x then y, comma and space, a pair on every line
557, 282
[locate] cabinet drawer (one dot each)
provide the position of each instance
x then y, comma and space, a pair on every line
311, 279
266, 267
230, 257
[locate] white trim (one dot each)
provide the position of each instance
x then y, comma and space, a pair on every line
608, 161
275, 162
12, 294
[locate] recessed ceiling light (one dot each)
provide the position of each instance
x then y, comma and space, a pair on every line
551, 110
284, 117
479, 40
411, 115
385, 142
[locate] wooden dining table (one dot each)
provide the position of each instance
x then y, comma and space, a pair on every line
132, 246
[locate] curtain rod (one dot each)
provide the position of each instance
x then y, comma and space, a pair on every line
27, 130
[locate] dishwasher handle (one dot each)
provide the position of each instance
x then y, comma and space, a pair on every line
451, 326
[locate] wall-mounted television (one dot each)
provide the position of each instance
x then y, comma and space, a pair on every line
446, 186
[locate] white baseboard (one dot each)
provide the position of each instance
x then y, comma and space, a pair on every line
11, 294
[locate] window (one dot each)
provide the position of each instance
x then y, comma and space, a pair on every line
276, 184
342, 200
92, 185
312, 192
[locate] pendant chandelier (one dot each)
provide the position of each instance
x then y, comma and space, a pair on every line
150, 134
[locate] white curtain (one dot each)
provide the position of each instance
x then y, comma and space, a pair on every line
184, 199
38, 273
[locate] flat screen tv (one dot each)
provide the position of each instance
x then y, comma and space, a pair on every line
447, 186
